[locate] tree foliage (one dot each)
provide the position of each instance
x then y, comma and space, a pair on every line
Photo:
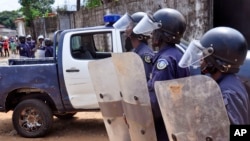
35, 8
7, 18
93, 3
96, 3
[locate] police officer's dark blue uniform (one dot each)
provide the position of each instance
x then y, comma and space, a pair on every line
31, 44
223, 50
165, 67
235, 99
146, 53
168, 26
23, 47
48, 48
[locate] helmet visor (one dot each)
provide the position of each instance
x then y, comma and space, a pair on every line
194, 54
123, 22
146, 26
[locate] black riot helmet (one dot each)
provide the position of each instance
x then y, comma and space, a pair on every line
173, 24
229, 48
136, 17
22, 38
223, 49
128, 21
47, 42
168, 25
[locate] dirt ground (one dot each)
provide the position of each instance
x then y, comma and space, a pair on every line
87, 126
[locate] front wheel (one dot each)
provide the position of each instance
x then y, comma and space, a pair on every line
32, 118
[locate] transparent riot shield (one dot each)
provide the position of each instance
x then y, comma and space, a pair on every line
135, 95
107, 89
193, 109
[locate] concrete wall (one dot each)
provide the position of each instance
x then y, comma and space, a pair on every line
45, 26
198, 14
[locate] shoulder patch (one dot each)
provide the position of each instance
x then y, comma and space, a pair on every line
162, 64
148, 58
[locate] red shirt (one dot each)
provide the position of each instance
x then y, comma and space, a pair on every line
6, 45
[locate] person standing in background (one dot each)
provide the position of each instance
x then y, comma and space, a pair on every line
13, 46
23, 47
40, 43
6, 46
48, 48
1, 47
31, 44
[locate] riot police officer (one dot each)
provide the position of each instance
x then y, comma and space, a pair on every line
167, 27
23, 47
221, 51
48, 47
139, 42
31, 44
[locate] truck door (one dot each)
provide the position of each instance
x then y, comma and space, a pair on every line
80, 48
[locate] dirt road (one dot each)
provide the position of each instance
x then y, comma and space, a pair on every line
85, 126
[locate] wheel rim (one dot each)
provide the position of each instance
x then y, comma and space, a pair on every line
30, 119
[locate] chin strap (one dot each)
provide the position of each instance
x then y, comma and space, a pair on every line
209, 68
213, 65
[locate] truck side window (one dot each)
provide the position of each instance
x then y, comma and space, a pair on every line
103, 44
79, 46
94, 45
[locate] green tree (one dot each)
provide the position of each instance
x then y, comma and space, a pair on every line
96, 3
35, 8
93, 3
7, 18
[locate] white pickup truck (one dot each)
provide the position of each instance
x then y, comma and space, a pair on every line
38, 88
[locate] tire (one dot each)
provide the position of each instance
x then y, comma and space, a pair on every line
32, 118
65, 116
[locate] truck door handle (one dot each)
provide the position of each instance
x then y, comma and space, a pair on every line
72, 70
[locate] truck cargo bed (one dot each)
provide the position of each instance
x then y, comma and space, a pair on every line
25, 61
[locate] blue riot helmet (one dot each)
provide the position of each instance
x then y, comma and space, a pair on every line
167, 25
219, 49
